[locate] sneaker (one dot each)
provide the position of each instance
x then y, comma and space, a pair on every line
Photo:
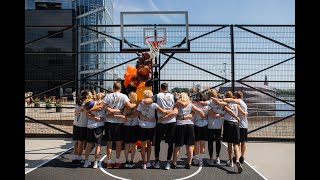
195, 162
240, 169
234, 159
156, 165
174, 166
86, 163
229, 163
148, 164
95, 166
187, 166
109, 164
117, 165
218, 161
200, 162
127, 165
144, 166
131, 165
210, 162
167, 166
74, 162
241, 159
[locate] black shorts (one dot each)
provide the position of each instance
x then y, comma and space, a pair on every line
146, 133
130, 134
113, 131
231, 132
200, 133
79, 133
243, 134
184, 135
214, 135
165, 131
95, 135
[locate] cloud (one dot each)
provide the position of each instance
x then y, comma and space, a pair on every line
156, 8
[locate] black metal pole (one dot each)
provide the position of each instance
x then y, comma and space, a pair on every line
155, 73
232, 57
77, 53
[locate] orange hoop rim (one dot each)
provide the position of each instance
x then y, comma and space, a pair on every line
154, 42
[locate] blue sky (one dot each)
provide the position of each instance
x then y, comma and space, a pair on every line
226, 12
217, 11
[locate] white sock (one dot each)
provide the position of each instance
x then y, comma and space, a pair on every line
196, 157
74, 157
117, 160
79, 158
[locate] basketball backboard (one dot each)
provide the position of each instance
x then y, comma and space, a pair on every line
172, 26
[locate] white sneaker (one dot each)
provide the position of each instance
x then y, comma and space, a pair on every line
230, 163
144, 166
156, 165
218, 161
86, 163
95, 166
167, 166
148, 164
210, 162
127, 165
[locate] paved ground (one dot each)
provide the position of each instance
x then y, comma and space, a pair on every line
61, 167
277, 162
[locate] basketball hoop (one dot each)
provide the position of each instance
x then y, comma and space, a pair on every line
155, 43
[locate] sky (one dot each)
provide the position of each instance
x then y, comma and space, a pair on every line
217, 11
255, 12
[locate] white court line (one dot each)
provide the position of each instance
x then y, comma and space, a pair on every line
250, 165
117, 177
47, 161
102, 169
191, 174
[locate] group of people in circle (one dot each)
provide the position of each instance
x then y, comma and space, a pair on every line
177, 119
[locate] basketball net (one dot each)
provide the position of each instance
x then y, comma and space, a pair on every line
155, 43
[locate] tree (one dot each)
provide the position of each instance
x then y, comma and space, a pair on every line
179, 90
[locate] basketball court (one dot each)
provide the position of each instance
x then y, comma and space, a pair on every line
62, 168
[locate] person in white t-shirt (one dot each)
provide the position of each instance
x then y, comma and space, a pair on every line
147, 123
79, 128
114, 103
95, 128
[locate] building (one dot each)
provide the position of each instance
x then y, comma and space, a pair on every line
49, 61
95, 12
44, 71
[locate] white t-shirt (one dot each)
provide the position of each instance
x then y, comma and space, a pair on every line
166, 101
183, 111
81, 120
229, 117
216, 123
197, 119
93, 123
243, 119
115, 100
131, 121
147, 110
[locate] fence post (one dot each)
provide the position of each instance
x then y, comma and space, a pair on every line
232, 56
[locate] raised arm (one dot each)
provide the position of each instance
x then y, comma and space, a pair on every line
170, 113
199, 111
229, 111
219, 102
212, 114
203, 103
96, 118
231, 100
130, 105
98, 107
242, 111
182, 103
